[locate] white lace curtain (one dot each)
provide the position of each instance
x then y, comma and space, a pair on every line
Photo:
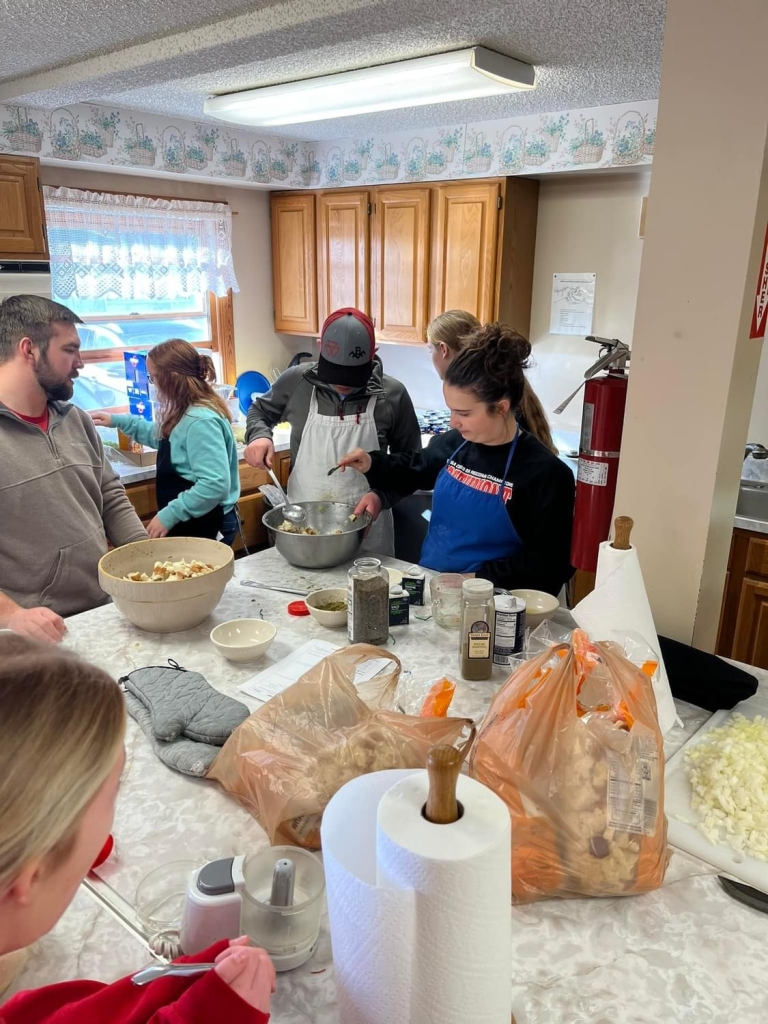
105, 245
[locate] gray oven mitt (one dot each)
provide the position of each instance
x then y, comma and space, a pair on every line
185, 719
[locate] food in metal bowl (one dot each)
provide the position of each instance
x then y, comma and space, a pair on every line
330, 535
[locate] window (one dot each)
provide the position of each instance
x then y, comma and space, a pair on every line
139, 271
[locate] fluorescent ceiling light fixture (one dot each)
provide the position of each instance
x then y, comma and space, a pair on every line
440, 78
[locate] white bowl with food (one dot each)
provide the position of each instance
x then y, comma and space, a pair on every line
328, 607
538, 606
168, 584
243, 640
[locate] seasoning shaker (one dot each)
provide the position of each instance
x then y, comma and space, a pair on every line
399, 607
509, 628
414, 581
477, 626
368, 602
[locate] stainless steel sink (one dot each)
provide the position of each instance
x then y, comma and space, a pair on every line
753, 501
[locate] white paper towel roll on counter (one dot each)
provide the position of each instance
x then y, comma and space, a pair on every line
420, 914
619, 605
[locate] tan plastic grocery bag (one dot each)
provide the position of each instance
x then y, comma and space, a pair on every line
288, 759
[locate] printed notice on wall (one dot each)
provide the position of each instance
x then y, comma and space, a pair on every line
573, 304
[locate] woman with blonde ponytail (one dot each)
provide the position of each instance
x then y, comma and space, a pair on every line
447, 335
197, 481
61, 756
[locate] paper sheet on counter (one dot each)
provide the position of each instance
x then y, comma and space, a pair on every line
278, 677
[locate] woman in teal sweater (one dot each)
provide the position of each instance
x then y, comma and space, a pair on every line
197, 480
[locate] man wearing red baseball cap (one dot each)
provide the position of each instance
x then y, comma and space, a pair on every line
343, 401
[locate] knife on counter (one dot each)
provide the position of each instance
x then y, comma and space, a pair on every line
745, 894
278, 590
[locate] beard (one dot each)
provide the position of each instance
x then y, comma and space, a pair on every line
56, 388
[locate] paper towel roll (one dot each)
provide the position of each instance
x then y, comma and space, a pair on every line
420, 913
619, 605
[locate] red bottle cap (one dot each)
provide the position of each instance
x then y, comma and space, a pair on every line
106, 850
298, 608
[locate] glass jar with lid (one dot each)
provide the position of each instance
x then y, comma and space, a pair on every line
477, 625
368, 602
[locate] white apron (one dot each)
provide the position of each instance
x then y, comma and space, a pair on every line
325, 440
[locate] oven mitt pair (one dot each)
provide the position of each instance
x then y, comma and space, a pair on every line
185, 719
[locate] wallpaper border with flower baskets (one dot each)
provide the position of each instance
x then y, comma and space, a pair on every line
97, 136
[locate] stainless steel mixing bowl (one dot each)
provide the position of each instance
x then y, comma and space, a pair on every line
327, 548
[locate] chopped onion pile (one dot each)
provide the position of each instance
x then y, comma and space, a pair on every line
728, 772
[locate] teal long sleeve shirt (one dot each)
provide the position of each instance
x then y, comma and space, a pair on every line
203, 451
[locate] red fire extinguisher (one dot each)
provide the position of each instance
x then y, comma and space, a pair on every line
602, 422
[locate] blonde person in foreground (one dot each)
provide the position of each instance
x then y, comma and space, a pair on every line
61, 757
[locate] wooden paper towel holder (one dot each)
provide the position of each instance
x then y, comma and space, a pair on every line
622, 528
443, 768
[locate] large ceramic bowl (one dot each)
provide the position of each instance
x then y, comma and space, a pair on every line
173, 606
329, 547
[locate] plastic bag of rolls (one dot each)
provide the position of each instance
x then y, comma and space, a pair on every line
572, 744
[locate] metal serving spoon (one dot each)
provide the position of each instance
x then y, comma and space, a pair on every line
156, 971
293, 513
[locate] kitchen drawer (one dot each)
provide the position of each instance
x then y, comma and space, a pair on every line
757, 556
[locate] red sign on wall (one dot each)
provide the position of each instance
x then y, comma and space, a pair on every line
760, 312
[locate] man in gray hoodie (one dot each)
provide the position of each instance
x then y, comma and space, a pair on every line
60, 500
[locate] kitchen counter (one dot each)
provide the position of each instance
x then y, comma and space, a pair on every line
687, 953
754, 525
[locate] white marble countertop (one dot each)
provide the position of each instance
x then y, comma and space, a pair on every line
686, 953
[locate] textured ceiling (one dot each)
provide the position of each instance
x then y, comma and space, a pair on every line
587, 52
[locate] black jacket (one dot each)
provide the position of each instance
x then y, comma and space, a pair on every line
540, 508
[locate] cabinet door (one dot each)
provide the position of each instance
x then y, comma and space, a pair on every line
399, 268
294, 278
465, 223
751, 640
22, 217
342, 251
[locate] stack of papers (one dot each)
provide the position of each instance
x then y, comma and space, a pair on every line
285, 673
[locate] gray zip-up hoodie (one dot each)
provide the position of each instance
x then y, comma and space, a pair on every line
60, 500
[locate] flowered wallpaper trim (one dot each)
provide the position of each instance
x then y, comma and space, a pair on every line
599, 137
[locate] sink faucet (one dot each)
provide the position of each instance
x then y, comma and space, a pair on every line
757, 451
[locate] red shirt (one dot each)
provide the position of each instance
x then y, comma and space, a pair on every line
200, 1000
37, 421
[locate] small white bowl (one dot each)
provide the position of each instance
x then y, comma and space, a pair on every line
243, 639
538, 606
331, 620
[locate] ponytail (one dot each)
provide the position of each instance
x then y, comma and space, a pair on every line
532, 412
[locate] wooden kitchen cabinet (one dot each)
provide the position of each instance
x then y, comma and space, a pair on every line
399, 267
22, 215
343, 251
405, 253
294, 263
465, 219
251, 503
743, 633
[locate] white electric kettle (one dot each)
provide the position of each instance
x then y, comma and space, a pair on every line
275, 896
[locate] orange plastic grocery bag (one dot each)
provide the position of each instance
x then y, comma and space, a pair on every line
572, 744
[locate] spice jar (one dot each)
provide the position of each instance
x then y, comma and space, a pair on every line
477, 618
368, 604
